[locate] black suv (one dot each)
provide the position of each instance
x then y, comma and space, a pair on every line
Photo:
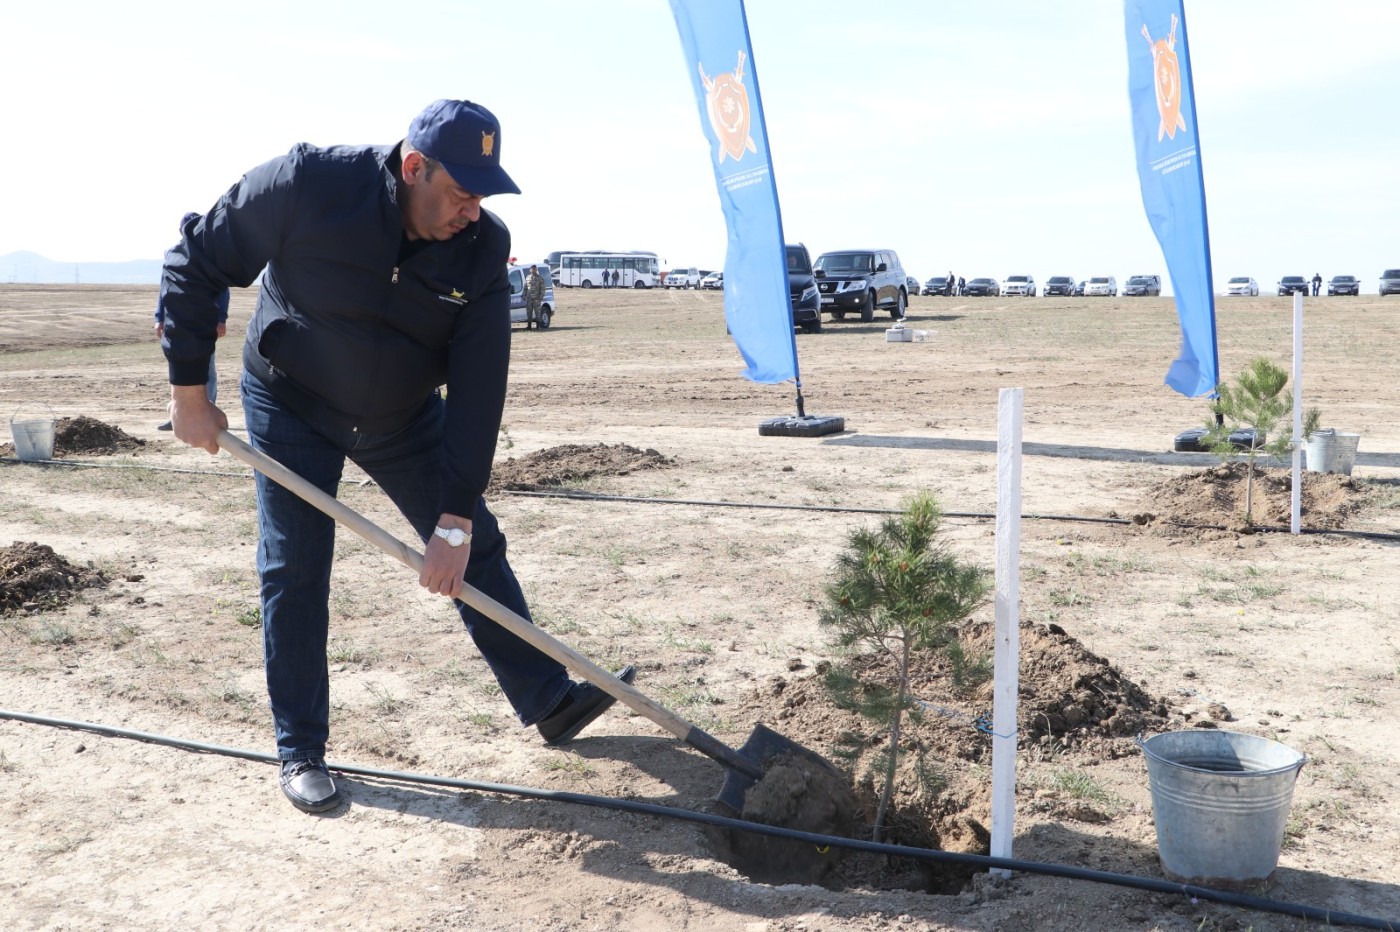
806, 304
1139, 285
1390, 282
1292, 284
1059, 284
861, 280
1344, 284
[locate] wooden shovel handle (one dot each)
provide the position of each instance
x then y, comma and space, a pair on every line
515, 624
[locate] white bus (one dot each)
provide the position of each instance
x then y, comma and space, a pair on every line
586, 270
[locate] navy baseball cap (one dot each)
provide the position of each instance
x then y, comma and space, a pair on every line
466, 138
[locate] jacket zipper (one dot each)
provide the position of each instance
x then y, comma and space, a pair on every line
394, 278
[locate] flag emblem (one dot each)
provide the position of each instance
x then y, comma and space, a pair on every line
727, 102
1167, 74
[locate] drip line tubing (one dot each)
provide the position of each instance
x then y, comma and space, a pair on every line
989, 862
773, 506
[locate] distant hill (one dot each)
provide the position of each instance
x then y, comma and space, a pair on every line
30, 268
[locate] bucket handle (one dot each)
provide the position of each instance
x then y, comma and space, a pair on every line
29, 404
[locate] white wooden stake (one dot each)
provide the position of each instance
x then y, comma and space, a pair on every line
1008, 623
1296, 504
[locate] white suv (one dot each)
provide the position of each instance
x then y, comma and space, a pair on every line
1018, 284
683, 278
1102, 285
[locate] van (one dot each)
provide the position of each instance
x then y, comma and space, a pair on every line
516, 274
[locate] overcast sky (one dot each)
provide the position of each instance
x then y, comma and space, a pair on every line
988, 138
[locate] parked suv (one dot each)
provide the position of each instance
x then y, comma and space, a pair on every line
683, 278
1344, 284
1059, 284
1102, 285
861, 280
1018, 284
1390, 282
517, 275
806, 303
1292, 284
1139, 285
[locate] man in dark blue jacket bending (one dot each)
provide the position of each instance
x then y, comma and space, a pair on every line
383, 278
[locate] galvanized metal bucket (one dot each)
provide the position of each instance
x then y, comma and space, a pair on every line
1220, 802
33, 436
1327, 450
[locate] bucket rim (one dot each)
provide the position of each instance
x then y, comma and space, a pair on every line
1296, 766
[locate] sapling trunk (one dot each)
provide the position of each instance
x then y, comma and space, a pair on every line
888, 791
1249, 493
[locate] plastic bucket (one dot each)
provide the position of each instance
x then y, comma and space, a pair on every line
1220, 803
33, 436
1330, 451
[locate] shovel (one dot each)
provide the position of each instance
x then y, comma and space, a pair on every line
743, 768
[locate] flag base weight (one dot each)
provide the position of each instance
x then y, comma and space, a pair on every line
801, 426
1189, 441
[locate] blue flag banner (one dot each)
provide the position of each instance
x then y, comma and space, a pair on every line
1169, 170
757, 305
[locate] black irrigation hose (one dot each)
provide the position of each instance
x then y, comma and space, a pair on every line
713, 503
977, 515
1241, 900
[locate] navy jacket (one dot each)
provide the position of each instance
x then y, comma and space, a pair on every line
345, 333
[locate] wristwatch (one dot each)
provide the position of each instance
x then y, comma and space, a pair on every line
455, 537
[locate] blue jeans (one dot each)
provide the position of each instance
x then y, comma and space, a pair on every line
295, 548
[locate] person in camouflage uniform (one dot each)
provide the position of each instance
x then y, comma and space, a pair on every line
534, 296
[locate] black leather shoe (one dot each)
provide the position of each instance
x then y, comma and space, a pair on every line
308, 784
579, 709
165, 426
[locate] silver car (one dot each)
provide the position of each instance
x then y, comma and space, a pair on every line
1242, 285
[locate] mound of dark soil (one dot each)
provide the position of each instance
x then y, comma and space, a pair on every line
34, 578
572, 462
1216, 496
83, 434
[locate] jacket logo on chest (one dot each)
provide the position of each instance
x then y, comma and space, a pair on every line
456, 297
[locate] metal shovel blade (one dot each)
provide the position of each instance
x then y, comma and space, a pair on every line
763, 747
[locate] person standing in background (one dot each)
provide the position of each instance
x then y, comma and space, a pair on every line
534, 296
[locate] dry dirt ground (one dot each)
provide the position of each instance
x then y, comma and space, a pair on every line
131, 601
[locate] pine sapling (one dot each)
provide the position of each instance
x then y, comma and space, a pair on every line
899, 590
1256, 401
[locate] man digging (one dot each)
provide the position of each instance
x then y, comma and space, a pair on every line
383, 278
